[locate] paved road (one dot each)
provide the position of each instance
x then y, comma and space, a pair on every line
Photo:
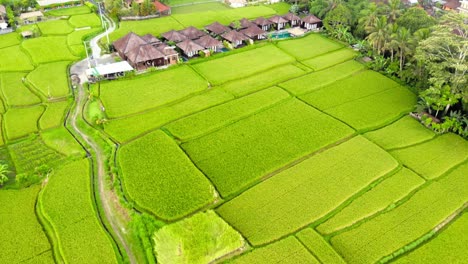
94, 42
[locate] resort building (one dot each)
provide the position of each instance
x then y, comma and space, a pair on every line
216, 28
263, 23
235, 38
163, 9
236, 3
31, 17
174, 36
292, 19
278, 21
3, 23
192, 33
243, 23
254, 32
311, 22
208, 42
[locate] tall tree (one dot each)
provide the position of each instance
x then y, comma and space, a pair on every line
404, 43
339, 16
394, 9
415, 18
378, 34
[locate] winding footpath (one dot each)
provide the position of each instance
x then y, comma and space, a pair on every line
97, 154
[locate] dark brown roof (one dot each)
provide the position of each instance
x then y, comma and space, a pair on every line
128, 42
217, 28
244, 23
252, 31
144, 53
261, 21
167, 50
452, 4
208, 42
192, 33
234, 36
174, 36
189, 46
291, 17
311, 19
150, 39
277, 19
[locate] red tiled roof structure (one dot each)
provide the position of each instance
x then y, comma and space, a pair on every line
192, 33
161, 7
174, 36
452, 4
217, 28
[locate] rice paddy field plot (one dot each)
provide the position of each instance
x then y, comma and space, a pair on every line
315, 80
225, 114
319, 247
433, 158
73, 217
159, 177
262, 80
242, 64
249, 12
262, 143
10, 39
378, 198
15, 92
14, 59
302, 194
376, 110
418, 216
350, 89
55, 27
124, 97
402, 133
22, 234
331, 59
77, 36
31, 153
85, 20
202, 238
281, 8
54, 115
288, 251
309, 46
126, 128
20, 122
48, 49
71, 11
214, 6
77, 50
447, 247
201, 19
51, 79
155, 26
60, 140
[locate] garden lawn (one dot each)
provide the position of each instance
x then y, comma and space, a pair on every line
319, 247
14, 59
72, 215
15, 92
402, 133
10, 39
262, 80
418, 216
382, 196
450, 246
126, 128
55, 27
316, 80
155, 26
242, 64
85, 20
159, 177
262, 144
220, 116
302, 194
51, 79
331, 59
77, 36
124, 97
22, 235
287, 251
69, 11
200, 239
20, 122
62, 141
53, 115
48, 49
309, 46
433, 158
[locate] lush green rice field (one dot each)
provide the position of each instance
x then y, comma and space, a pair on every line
51, 79
330, 59
48, 49
288, 251
14, 90
319, 247
55, 27
20, 122
22, 236
418, 216
85, 20
262, 143
69, 11
54, 115
310, 46
214, 6
67, 205
154, 26
14, 59
440, 155
161, 179
243, 64
298, 196
76, 37
120, 97
10, 39
62, 141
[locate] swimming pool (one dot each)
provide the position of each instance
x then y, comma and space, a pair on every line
280, 35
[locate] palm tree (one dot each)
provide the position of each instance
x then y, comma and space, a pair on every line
394, 9
378, 34
3, 173
404, 43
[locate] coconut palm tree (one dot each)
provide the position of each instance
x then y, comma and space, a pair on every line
378, 34
394, 9
404, 42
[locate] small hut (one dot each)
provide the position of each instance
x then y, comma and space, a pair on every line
311, 22
292, 19
174, 36
216, 28
210, 43
192, 33
263, 23
235, 38
189, 47
278, 21
254, 32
